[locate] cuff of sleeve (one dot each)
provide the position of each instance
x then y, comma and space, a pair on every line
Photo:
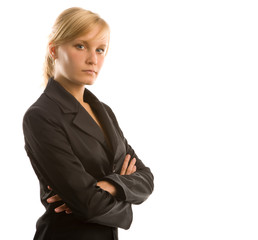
120, 194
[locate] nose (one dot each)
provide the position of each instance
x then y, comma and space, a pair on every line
91, 58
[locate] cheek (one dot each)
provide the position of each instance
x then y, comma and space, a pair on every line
101, 61
72, 59
69, 58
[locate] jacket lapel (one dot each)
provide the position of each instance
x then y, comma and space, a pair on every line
82, 119
85, 122
107, 124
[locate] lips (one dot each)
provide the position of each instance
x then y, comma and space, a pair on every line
89, 71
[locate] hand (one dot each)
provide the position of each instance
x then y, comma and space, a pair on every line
61, 208
128, 170
107, 187
102, 184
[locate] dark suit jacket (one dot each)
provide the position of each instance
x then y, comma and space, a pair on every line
70, 153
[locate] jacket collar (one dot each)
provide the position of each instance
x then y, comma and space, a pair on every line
69, 104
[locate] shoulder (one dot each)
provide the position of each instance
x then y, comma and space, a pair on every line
43, 108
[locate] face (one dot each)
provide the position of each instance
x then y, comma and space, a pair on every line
80, 60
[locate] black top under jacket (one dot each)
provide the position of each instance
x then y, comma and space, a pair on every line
70, 153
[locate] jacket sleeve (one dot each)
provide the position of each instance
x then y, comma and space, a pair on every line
136, 187
56, 165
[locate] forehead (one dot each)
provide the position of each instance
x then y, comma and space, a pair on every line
97, 35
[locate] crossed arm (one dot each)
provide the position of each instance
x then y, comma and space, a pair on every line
128, 168
53, 160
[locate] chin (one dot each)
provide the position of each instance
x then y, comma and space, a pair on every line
85, 81
90, 82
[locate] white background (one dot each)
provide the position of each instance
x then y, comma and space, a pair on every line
181, 77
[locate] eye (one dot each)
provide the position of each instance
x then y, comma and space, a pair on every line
79, 46
100, 50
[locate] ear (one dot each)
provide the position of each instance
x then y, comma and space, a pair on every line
52, 50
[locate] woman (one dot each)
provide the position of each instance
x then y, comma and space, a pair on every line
89, 175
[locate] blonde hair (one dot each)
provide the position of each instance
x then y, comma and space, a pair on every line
69, 25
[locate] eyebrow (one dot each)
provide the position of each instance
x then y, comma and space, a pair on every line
86, 43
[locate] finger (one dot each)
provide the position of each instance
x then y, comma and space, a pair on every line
61, 208
130, 167
134, 169
68, 211
125, 164
53, 199
49, 188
